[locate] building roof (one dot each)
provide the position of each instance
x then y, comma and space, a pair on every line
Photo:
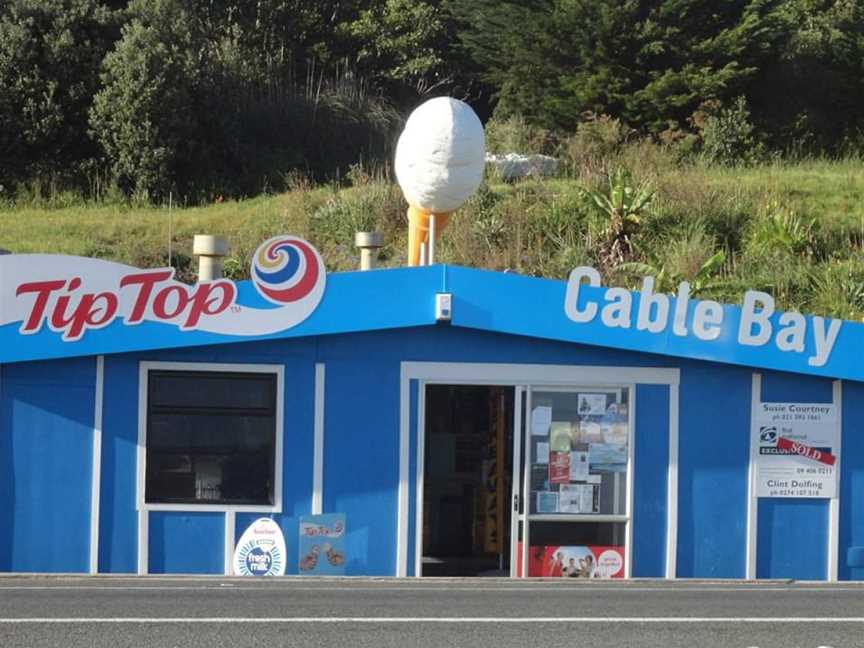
484, 300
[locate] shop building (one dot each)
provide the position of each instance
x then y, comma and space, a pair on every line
463, 421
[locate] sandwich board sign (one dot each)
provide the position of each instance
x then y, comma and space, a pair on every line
322, 545
260, 550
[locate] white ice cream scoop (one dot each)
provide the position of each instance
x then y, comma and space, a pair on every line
440, 158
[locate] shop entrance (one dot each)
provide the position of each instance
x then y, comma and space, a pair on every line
526, 478
467, 481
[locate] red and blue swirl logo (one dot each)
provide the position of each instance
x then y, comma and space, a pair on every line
287, 270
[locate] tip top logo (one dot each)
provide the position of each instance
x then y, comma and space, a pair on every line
73, 296
286, 269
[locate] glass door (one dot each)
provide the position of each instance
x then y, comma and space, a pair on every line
573, 514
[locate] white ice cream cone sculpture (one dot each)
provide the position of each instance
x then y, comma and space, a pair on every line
439, 164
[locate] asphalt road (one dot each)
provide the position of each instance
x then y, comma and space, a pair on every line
222, 612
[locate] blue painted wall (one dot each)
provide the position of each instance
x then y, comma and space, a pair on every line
118, 524
361, 471
46, 450
714, 451
186, 543
852, 484
650, 468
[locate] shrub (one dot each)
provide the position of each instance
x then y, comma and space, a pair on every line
729, 137
515, 135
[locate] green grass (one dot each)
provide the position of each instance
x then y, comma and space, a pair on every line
793, 229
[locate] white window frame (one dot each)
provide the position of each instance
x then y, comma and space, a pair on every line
144, 369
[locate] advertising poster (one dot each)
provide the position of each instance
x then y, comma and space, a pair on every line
577, 498
795, 449
607, 457
559, 468
260, 550
599, 562
541, 419
591, 404
578, 466
322, 545
547, 502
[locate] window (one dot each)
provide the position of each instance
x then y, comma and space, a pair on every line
211, 437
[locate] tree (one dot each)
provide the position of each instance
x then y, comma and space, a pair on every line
148, 115
50, 52
810, 95
649, 63
404, 44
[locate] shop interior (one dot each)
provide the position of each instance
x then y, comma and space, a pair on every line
468, 470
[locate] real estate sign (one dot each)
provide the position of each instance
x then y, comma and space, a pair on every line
796, 447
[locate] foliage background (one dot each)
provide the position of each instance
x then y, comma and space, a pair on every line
735, 126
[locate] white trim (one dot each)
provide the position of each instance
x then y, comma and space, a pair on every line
96, 477
401, 567
455, 373
539, 376
420, 481
525, 484
143, 515
631, 474
833, 570
143, 372
143, 541
752, 499
672, 487
230, 533
516, 487
318, 450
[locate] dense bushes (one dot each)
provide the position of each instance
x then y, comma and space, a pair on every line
207, 98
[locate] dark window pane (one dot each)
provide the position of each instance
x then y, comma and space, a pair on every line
208, 390
211, 438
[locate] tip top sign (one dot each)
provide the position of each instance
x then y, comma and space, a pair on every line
70, 295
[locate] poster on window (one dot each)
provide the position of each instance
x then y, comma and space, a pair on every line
597, 562
795, 449
322, 545
559, 468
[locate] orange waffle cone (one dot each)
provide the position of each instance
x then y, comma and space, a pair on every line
418, 231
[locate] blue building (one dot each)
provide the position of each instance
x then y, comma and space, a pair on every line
530, 427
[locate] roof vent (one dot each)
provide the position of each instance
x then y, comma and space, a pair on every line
210, 250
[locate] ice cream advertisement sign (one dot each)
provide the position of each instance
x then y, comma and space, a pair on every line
73, 296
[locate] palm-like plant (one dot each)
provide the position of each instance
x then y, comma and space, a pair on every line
622, 204
693, 258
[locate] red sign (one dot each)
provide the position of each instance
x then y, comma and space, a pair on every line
559, 468
806, 451
573, 561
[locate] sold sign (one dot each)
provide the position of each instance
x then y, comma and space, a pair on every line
805, 451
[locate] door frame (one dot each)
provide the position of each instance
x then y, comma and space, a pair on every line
514, 375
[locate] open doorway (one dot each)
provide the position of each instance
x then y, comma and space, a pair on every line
467, 481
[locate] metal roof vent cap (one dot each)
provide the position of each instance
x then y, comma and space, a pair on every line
210, 250
369, 244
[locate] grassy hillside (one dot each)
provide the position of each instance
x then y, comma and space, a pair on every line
792, 229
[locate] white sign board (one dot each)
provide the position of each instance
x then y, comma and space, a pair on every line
260, 550
796, 449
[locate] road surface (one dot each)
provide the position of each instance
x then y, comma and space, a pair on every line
215, 612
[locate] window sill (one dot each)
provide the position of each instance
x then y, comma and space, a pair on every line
224, 508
